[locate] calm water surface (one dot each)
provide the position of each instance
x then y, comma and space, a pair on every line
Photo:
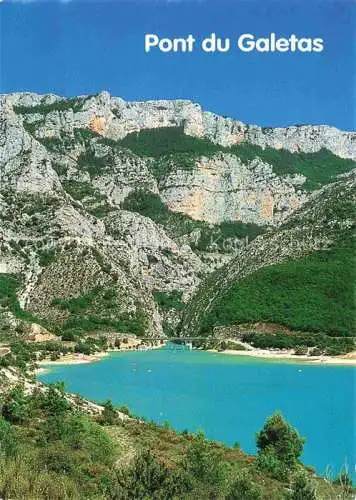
229, 397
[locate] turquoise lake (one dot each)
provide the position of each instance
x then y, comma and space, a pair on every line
229, 397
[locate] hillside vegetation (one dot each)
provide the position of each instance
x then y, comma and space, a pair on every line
300, 277
50, 448
314, 293
178, 150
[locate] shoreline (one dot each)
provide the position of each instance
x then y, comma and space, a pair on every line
79, 358
70, 359
346, 360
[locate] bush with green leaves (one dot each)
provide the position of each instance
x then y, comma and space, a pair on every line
109, 415
54, 401
203, 461
16, 408
8, 440
303, 488
148, 478
243, 488
279, 446
82, 433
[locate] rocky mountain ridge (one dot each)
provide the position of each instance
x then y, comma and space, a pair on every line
113, 213
114, 118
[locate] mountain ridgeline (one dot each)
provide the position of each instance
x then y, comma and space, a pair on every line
156, 218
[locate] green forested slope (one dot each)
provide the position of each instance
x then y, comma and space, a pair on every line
300, 276
315, 293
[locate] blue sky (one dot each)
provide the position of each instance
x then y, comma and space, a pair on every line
81, 47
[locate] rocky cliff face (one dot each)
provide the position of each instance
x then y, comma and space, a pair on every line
115, 118
223, 188
105, 223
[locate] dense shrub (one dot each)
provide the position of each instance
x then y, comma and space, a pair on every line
8, 440
109, 415
302, 488
243, 488
16, 408
203, 462
79, 432
148, 478
279, 446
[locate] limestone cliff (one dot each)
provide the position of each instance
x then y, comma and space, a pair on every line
106, 217
115, 118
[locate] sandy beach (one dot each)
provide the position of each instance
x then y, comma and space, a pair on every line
73, 359
79, 358
346, 359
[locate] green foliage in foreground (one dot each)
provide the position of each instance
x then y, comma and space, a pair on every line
178, 224
50, 449
302, 488
243, 488
315, 293
279, 447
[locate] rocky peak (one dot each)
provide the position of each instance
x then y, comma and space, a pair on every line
115, 118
